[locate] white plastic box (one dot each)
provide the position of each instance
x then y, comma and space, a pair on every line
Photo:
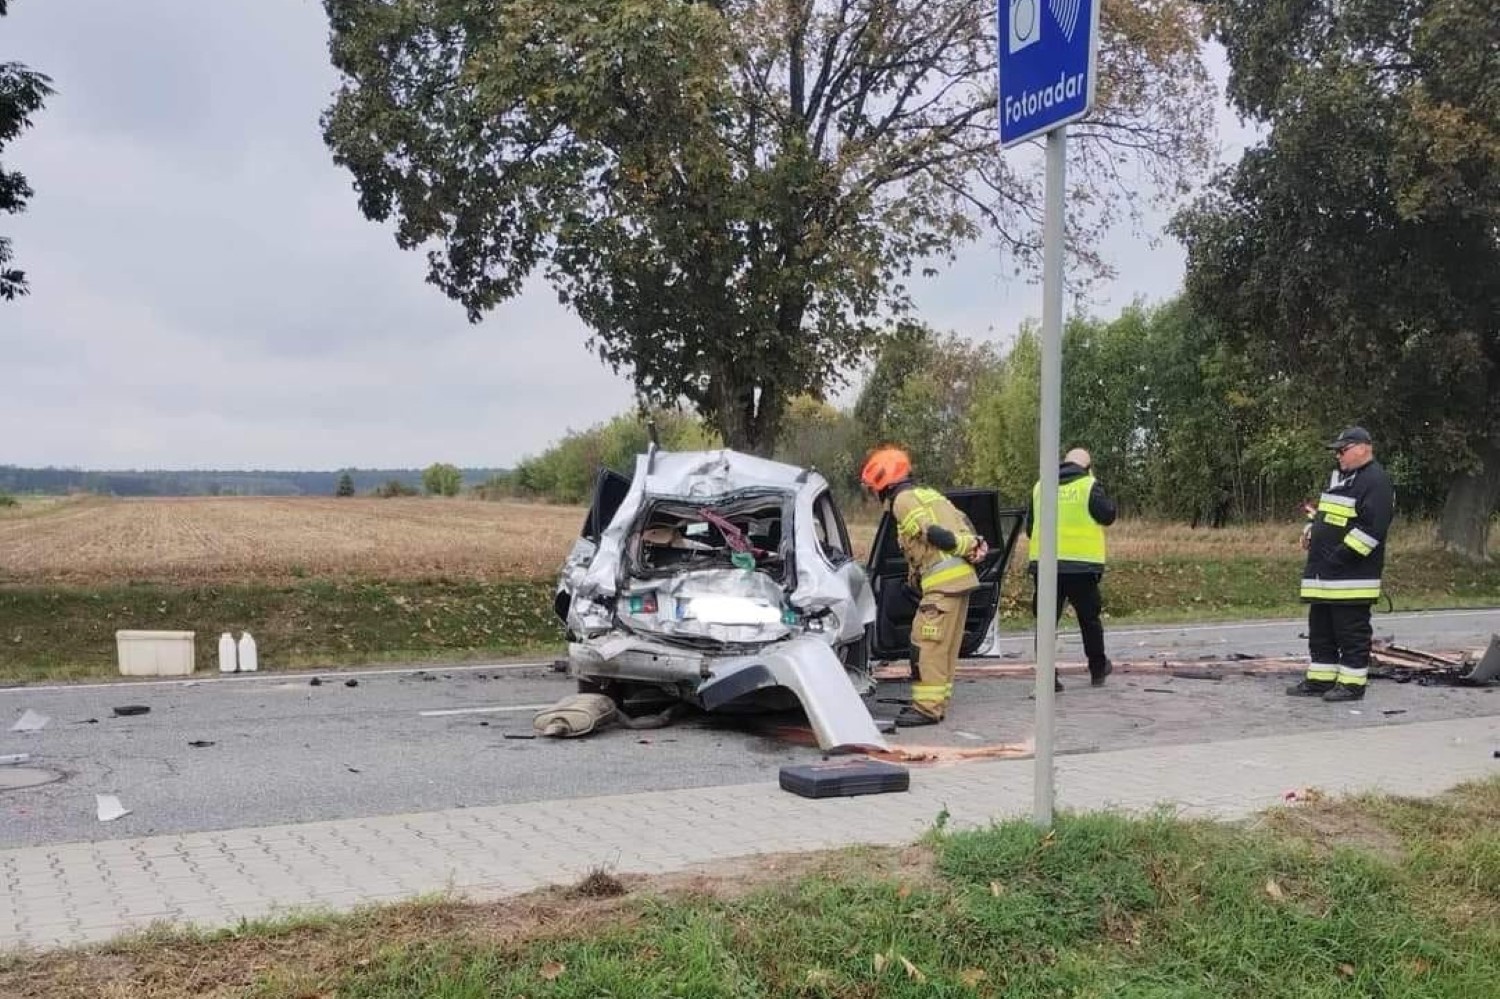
155, 653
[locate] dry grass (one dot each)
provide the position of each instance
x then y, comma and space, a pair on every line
272, 540
1153, 540
90, 541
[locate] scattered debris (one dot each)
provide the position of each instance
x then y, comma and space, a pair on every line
1158, 690
109, 807
87, 721
518, 735
1196, 674
130, 710
316, 681
1404, 664
202, 743
1394, 711
351, 683
1303, 795
13, 759
952, 754
969, 735
578, 714
352, 770
30, 721
1432, 657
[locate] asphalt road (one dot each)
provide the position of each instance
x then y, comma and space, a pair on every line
283, 750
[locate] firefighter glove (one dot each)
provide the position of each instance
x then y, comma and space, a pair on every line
941, 538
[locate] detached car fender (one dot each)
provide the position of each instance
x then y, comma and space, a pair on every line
813, 673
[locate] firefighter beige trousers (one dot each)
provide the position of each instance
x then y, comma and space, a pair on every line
936, 634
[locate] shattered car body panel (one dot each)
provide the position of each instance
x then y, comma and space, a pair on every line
728, 581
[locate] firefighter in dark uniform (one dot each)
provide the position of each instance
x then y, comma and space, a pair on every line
1345, 543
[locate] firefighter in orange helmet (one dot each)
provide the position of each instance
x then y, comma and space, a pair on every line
941, 549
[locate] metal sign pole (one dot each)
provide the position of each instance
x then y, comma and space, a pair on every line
1045, 78
1050, 445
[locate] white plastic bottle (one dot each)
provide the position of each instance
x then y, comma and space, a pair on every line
227, 662
247, 653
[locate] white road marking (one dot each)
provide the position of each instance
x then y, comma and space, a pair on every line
499, 709
279, 676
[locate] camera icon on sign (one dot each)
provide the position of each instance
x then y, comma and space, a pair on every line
1025, 23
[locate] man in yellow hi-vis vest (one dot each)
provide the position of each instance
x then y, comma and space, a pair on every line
1083, 512
941, 549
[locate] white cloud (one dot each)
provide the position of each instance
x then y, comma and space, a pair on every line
207, 294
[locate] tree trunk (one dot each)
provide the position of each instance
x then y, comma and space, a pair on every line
748, 416
1472, 500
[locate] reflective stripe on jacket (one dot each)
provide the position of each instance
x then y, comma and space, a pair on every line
917, 508
1346, 538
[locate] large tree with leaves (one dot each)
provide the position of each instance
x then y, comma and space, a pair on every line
732, 194
22, 92
1356, 251
919, 394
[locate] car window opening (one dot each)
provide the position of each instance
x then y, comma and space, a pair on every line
682, 535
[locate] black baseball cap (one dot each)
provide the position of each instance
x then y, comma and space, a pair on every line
1351, 435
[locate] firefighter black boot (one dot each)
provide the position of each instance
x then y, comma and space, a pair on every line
911, 717
1345, 692
1310, 688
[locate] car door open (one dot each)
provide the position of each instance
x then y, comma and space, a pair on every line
894, 604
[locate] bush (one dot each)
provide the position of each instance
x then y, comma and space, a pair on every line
442, 479
6, 499
566, 473
394, 488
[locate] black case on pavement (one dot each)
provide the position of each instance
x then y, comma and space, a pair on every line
844, 778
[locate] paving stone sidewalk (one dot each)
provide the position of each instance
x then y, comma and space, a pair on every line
83, 892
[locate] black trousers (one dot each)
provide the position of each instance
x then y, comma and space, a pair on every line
1081, 589
1339, 634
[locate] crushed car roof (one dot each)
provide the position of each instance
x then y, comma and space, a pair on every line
715, 473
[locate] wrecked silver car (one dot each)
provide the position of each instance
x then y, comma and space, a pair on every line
729, 582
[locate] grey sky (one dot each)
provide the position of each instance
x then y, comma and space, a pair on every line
205, 292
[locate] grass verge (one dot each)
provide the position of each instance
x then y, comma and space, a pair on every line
66, 632
1365, 897
1243, 587
69, 632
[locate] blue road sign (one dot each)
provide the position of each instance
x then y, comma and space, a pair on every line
1048, 52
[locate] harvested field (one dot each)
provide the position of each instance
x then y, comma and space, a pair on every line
274, 540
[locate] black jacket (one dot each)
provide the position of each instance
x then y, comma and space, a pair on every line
1101, 508
1346, 538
